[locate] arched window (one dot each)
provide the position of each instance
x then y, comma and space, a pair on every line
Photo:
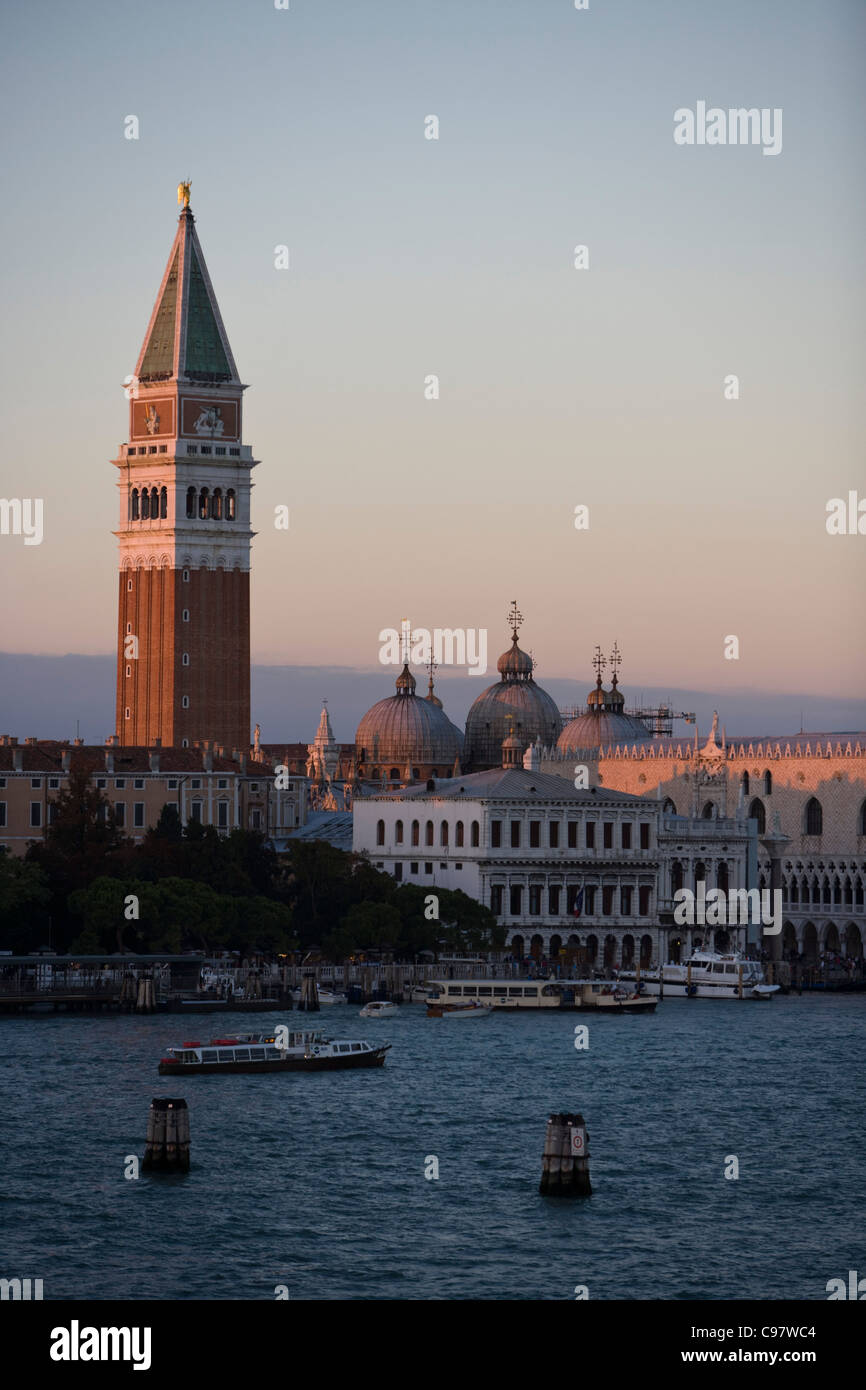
676, 876
722, 877
154, 503
768, 783
458, 834
203, 501
709, 811
669, 808
475, 834
163, 503
216, 509
700, 872
757, 812
744, 782
145, 504
814, 819
428, 833
230, 504
415, 829
443, 833
190, 501
394, 774
380, 832
398, 832
133, 505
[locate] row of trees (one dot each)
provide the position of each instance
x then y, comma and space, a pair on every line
88, 888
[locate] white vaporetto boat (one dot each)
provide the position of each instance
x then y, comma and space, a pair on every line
378, 1008
708, 975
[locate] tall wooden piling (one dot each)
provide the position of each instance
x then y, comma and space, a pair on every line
166, 1149
309, 1000
145, 1003
565, 1161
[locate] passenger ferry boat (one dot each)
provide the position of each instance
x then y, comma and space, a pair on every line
305, 1051
498, 994
450, 995
708, 975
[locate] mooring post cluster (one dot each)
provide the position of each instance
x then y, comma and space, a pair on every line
565, 1162
309, 1000
167, 1147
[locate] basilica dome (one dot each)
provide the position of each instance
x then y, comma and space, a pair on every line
515, 706
405, 736
604, 722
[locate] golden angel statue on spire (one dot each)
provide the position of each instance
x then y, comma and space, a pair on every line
183, 193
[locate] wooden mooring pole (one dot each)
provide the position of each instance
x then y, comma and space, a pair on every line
166, 1149
309, 1000
565, 1161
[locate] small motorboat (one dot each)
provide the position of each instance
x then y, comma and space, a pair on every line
467, 1010
324, 995
378, 1008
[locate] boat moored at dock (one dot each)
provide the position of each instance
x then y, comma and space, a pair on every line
300, 1051
559, 995
468, 1008
708, 975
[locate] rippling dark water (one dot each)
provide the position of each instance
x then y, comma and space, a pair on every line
317, 1182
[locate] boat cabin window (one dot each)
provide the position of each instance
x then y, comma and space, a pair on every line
273, 1054
242, 1054
530, 993
485, 989
718, 969
345, 1047
356, 1047
515, 991
190, 1057
470, 989
210, 1055
257, 1054
454, 989
500, 990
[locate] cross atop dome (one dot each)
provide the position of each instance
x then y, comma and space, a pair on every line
515, 619
599, 662
616, 662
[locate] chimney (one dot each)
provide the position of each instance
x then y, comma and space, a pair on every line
153, 758
78, 743
30, 742
207, 756
17, 757
66, 760
109, 760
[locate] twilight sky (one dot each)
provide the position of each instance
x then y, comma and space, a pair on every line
558, 387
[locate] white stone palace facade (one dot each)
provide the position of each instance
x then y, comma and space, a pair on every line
810, 787
533, 848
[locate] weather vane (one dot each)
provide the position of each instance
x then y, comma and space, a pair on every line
515, 618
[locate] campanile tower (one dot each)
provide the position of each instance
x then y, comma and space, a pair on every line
183, 637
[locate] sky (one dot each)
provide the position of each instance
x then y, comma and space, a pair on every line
559, 387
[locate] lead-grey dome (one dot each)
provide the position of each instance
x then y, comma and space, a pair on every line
603, 722
405, 730
514, 706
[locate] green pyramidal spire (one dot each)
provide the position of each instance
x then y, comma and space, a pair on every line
185, 339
